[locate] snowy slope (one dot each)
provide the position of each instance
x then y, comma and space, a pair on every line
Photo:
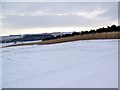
0, 69
79, 64
12, 43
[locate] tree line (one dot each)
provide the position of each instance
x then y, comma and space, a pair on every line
112, 28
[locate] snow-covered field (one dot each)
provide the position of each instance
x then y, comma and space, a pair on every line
12, 43
79, 64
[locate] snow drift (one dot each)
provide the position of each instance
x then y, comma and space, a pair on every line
79, 64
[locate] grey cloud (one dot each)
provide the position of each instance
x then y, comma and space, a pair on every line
51, 21
27, 21
56, 7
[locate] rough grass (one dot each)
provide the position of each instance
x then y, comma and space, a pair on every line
106, 35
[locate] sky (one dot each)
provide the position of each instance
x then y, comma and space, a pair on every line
47, 17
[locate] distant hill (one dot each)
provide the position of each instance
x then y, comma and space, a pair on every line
24, 38
112, 28
10, 38
30, 37
112, 32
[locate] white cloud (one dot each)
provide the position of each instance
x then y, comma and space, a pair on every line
2, 17
86, 14
35, 13
92, 14
62, 14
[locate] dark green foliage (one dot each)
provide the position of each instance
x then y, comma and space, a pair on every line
44, 37
100, 30
28, 37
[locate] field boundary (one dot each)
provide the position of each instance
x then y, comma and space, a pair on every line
104, 35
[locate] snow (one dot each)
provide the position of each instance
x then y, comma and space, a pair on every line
0, 69
78, 64
5, 44
12, 43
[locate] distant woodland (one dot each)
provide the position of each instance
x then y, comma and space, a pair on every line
112, 28
111, 32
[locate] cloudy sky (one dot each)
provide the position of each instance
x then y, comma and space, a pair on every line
39, 17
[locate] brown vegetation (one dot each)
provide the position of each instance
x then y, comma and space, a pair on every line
105, 35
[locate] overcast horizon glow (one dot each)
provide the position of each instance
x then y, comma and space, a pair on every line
47, 17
